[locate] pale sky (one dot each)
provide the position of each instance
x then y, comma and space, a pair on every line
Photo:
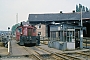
9, 9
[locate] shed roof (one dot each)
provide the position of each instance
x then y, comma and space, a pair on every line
64, 26
58, 16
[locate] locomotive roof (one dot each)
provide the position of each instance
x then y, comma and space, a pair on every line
26, 26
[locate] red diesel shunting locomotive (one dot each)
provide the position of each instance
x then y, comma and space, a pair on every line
26, 34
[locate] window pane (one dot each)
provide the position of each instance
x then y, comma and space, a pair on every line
39, 33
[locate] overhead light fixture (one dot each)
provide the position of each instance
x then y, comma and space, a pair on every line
53, 22
61, 25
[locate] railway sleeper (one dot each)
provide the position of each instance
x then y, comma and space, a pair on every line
71, 57
65, 58
37, 57
62, 57
82, 53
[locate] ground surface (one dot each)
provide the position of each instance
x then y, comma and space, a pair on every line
18, 52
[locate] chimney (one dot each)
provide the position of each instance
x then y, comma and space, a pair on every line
60, 11
73, 11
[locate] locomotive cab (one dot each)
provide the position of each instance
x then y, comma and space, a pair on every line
27, 35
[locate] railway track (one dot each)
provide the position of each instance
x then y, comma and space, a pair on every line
51, 56
32, 53
84, 54
80, 55
43, 56
63, 56
39, 53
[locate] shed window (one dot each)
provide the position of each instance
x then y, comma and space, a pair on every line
39, 26
39, 33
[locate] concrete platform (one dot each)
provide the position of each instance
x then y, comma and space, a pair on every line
17, 50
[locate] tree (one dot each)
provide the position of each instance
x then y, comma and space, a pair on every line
83, 8
14, 28
80, 6
77, 9
87, 10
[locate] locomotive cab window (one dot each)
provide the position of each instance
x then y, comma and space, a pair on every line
39, 26
39, 33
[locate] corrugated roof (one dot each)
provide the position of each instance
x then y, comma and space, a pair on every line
58, 16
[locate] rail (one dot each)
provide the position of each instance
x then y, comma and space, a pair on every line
83, 53
33, 54
54, 55
64, 56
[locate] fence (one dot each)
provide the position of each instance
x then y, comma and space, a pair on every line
86, 42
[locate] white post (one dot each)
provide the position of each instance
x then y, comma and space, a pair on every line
9, 42
8, 46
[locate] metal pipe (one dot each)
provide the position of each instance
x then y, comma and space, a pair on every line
8, 46
16, 18
81, 18
81, 33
